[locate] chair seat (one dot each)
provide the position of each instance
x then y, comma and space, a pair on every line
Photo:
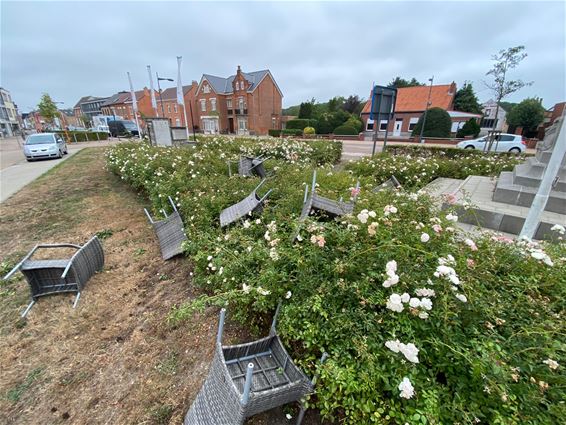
45, 264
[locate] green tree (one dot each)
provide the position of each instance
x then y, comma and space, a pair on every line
353, 105
466, 100
527, 114
501, 86
335, 104
354, 122
86, 120
47, 108
399, 82
470, 128
306, 109
438, 124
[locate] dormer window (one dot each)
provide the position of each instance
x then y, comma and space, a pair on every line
206, 88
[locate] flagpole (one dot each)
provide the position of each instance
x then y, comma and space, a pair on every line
134, 105
181, 95
153, 101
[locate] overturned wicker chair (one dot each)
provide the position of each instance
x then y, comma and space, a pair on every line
48, 277
390, 184
248, 379
250, 204
170, 232
315, 202
248, 166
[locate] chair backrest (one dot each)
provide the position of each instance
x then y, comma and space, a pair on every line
87, 261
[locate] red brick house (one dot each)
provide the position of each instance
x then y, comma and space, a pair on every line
244, 103
411, 103
121, 104
174, 111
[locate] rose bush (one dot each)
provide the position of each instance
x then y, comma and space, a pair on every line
447, 328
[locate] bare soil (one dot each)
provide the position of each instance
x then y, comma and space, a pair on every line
114, 359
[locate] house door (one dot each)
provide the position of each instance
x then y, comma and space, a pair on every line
397, 128
230, 125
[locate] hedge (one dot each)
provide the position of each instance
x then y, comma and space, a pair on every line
345, 130
83, 136
300, 124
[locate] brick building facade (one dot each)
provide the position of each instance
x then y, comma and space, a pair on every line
174, 111
244, 103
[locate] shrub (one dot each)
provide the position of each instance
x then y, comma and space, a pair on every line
309, 130
83, 136
470, 128
438, 124
470, 328
354, 122
299, 124
345, 130
274, 132
292, 132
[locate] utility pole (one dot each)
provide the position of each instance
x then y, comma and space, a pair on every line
426, 110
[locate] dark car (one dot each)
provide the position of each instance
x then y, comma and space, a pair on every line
122, 128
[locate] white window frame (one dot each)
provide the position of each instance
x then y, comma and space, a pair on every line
382, 125
175, 107
203, 105
413, 122
242, 124
206, 88
229, 103
178, 122
169, 108
241, 104
213, 104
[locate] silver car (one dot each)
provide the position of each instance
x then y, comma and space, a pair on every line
44, 145
503, 142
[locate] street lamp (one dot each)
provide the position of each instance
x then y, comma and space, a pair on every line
426, 110
159, 89
62, 122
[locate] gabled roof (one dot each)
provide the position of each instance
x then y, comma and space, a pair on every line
414, 99
86, 99
171, 93
224, 85
122, 97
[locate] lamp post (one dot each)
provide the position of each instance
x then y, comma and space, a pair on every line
62, 122
426, 110
159, 89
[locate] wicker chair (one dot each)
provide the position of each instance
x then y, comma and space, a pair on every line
391, 184
250, 204
47, 277
248, 166
315, 202
170, 232
248, 379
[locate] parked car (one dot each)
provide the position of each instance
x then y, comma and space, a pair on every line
122, 128
44, 145
502, 143
101, 128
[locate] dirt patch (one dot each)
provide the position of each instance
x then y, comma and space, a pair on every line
114, 359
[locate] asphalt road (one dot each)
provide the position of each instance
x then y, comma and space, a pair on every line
16, 172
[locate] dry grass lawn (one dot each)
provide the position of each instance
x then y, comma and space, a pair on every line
114, 359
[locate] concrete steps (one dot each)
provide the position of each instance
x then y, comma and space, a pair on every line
530, 174
484, 211
508, 192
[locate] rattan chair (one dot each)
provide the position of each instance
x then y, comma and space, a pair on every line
390, 184
248, 166
248, 379
316, 203
48, 277
252, 203
170, 232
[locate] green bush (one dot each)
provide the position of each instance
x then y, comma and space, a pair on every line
345, 130
354, 122
309, 130
83, 136
485, 315
292, 132
274, 132
470, 128
299, 124
438, 124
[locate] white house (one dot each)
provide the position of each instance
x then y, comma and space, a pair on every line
488, 109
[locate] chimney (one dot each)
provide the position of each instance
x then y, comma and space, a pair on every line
239, 71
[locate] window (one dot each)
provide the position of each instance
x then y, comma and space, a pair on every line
169, 108
273, 122
175, 107
206, 88
383, 125
229, 103
369, 125
241, 104
178, 122
488, 112
203, 105
213, 104
242, 124
487, 123
413, 122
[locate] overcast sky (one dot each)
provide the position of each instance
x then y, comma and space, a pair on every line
320, 50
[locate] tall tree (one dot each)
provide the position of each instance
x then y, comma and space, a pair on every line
527, 114
501, 87
399, 82
466, 100
306, 109
335, 103
352, 104
47, 108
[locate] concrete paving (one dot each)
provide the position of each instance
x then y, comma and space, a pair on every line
16, 172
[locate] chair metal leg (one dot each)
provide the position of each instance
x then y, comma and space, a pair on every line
30, 305
77, 299
301, 414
